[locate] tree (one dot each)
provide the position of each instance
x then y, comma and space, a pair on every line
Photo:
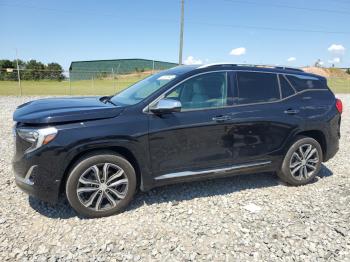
54, 72
34, 70
348, 71
4, 74
31, 70
6, 64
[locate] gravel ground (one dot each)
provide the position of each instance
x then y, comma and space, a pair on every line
243, 218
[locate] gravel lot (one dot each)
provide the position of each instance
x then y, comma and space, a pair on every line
243, 218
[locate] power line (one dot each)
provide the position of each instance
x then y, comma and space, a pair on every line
290, 7
88, 12
282, 29
231, 1
340, 1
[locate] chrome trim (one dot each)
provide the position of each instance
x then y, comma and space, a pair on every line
167, 105
210, 171
42, 133
281, 67
279, 85
215, 64
295, 91
26, 179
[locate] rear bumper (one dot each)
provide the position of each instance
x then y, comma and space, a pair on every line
332, 139
332, 149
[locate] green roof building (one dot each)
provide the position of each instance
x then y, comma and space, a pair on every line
85, 70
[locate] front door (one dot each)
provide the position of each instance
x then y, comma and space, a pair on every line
196, 137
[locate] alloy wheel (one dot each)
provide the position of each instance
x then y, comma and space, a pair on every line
102, 186
304, 161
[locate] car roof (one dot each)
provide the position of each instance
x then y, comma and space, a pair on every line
180, 70
241, 67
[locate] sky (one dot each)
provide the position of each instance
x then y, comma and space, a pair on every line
284, 32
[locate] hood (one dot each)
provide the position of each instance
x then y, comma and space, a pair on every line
58, 110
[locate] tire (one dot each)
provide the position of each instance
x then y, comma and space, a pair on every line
101, 184
290, 171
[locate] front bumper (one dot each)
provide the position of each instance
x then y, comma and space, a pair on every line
25, 183
36, 180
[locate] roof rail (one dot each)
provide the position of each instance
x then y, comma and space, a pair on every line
252, 65
289, 68
215, 64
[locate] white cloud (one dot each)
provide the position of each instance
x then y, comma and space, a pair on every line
335, 60
190, 60
291, 59
238, 51
321, 63
336, 49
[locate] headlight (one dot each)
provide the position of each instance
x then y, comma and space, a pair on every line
37, 137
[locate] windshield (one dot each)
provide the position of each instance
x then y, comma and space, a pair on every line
140, 90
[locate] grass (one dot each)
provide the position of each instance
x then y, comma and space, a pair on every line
105, 86
339, 85
83, 87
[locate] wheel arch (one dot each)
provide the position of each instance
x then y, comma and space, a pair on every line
318, 135
118, 150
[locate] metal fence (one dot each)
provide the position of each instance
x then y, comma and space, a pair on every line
43, 82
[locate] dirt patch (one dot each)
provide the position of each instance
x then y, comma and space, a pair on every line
326, 72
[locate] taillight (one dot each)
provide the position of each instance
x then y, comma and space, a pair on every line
339, 105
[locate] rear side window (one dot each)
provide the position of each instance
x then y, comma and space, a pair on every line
302, 82
286, 88
255, 87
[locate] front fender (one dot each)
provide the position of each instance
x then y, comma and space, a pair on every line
138, 152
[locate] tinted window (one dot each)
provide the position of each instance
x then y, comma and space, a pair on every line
142, 89
302, 82
286, 88
257, 87
204, 91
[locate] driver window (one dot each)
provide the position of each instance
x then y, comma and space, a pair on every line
202, 92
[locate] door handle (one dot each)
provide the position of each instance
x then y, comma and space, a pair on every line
291, 111
221, 118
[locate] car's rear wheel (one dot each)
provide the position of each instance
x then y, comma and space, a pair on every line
101, 184
302, 162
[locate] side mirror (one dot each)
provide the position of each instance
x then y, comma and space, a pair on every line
165, 106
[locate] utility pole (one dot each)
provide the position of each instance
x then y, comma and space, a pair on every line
18, 74
70, 84
181, 31
113, 79
116, 80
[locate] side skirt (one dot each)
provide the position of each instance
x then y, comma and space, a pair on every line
216, 171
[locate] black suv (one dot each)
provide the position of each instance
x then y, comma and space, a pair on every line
182, 124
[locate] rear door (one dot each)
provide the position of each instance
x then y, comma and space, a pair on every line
261, 126
313, 100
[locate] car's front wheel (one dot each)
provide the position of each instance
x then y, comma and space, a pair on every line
101, 184
302, 162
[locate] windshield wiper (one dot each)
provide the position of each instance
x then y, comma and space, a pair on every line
107, 99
